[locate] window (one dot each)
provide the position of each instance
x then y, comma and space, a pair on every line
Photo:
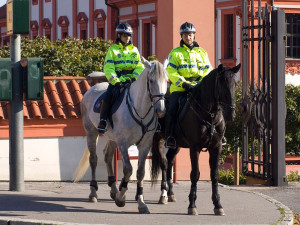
100, 33
147, 40
229, 36
292, 48
83, 35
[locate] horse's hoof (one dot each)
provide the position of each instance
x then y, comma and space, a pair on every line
144, 210
193, 211
113, 195
93, 199
171, 198
119, 203
163, 200
219, 212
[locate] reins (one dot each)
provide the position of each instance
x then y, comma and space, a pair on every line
139, 119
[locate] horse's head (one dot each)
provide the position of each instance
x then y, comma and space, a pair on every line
157, 86
226, 83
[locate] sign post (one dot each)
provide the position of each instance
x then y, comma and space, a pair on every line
17, 24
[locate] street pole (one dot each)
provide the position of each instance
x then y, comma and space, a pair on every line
16, 138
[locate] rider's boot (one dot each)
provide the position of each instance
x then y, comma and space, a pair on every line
103, 117
170, 140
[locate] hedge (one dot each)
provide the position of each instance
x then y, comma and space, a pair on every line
65, 57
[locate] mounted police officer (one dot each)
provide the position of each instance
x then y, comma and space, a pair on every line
122, 65
188, 64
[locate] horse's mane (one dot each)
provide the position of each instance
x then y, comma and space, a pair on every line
206, 88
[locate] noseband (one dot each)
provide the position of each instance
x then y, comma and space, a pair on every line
159, 96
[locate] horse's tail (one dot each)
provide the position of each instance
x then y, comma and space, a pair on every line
83, 166
159, 159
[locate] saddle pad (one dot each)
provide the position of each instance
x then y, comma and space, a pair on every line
115, 106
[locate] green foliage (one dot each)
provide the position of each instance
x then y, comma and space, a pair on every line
65, 57
293, 176
292, 97
227, 177
292, 136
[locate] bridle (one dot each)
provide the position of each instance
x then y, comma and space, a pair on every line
209, 114
225, 105
139, 119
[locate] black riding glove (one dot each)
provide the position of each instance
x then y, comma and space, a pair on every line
187, 86
118, 85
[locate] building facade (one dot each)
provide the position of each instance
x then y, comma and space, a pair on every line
56, 141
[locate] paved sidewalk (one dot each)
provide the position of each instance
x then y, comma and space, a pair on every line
66, 203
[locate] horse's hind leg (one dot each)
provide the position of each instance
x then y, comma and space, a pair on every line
194, 176
171, 159
108, 157
214, 156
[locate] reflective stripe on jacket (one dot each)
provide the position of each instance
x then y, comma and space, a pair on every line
186, 65
118, 59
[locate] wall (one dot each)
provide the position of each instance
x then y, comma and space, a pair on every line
173, 13
56, 159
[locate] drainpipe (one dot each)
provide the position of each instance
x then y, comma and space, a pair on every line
116, 8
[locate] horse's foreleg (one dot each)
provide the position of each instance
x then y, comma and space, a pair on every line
91, 140
171, 154
194, 176
142, 207
108, 157
214, 175
127, 171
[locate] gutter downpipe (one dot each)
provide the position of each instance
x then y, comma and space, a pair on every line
116, 8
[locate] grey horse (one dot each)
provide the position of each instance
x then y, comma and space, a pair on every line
134, 123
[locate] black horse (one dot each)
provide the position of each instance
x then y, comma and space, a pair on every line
200, 125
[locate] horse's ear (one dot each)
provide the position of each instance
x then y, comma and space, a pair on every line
146, 63
220, 68
236, 68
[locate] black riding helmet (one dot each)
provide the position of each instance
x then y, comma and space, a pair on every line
187, 28
124, 28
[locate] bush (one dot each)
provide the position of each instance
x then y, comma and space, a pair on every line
292, 98
227, 177
293, 176
65, 57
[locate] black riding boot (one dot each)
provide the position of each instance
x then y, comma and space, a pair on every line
170, 140
103, 117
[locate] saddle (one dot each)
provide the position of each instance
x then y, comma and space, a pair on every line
118, 95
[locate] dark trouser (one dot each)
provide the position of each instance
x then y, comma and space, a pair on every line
170, 119
105, 108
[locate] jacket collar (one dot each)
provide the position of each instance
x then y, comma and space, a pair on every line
121, 43
182, 44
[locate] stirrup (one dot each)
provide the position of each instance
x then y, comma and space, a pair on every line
101, 127
224, 141
170, 142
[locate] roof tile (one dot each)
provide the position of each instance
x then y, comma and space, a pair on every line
62, 97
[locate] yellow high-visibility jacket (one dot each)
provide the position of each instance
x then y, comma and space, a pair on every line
126, 59
186, 65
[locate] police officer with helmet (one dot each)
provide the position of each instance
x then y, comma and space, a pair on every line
188, 64
122, 65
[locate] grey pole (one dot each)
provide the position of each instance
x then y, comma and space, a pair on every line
16, 138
